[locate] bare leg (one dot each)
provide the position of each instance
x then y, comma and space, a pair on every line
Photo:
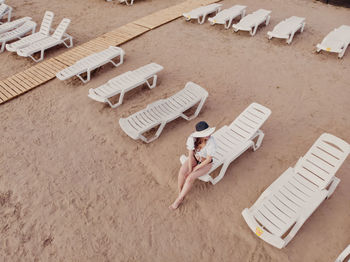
189, 183
183, 174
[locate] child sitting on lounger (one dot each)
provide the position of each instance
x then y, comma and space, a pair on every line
201, 148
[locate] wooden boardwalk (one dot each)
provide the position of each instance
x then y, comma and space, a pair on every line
41, 73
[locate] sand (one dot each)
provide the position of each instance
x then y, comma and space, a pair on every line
75, 187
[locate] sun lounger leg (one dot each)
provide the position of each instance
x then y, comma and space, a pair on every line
243, 14
154, 82
341, 54
290, 39
3, 47
302, 28
120, 62
120, 101
260, 134
221, 174
159, 131
88, 75
196, 113
70, 42
201, 21
228, 24
333, 186
9, 15
40, 58
267, 20
253, 32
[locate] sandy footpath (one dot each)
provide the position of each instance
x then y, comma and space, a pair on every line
75, 187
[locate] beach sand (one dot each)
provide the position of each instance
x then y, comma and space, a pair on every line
75, 187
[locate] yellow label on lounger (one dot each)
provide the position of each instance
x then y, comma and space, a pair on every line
258, 231
188, 17
328, 49
214, 21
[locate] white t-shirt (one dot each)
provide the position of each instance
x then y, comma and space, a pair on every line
208, 150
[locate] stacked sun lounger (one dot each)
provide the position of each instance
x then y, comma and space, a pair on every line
91, 62
23, 29
57, 38
127, 2
285, 206
124, 83
5, 10
44, 32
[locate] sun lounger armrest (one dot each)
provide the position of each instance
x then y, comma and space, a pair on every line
266, 236
343, 254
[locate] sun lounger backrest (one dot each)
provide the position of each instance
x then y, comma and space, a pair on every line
3, 8
61, 29
46, 23
250, 120
322, 161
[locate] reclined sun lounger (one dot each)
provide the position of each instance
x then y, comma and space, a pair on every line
201, 13
226, 16
345, 254
28, 40
124, 83
252, 21
58, 37
336, 41
16, 33
161, 112
5, 10
233, 140
287, 28
288, 202
14, 24
127, 2
91, 62
2, 1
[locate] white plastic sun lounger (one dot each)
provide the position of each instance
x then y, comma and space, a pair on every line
290, 200
226, 16
336, 41
58, 37
201, 13
91, 62
287, 28
127, 2
252, 21
17, 33
161, 112
124, 83
5, 10
44, 32
233, 140
14, 24
344, 255
2, 1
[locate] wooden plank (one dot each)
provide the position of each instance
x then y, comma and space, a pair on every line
27, 78
17, 85
25, 84
38, 78
9, 90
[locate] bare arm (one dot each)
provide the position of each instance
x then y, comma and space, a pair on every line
205, 162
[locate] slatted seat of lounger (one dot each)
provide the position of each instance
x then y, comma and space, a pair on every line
57, 38
336, 41
14, 24
17, 33
285, 206
235, 139
226, 16
252, 21
44, 32
344, 256
91, 62
124, 83
5, 10
201, 13
287, 28
161, 112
